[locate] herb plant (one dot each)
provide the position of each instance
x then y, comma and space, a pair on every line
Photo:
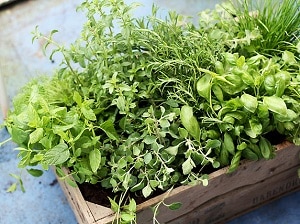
146, 104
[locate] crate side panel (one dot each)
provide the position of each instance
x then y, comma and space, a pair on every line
249, 173
223, 208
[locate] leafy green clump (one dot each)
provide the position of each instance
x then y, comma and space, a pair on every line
140, 104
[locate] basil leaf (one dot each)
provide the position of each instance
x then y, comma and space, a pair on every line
275, 104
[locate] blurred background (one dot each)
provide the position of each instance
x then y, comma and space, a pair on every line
21, 60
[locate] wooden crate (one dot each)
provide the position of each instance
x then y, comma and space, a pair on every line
227, 196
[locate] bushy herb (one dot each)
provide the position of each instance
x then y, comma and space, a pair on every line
141, 104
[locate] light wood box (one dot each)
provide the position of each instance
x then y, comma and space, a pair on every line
227, 196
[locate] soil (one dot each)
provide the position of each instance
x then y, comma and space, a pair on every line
98, 195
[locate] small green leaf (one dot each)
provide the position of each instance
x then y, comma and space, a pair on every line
18, 135
174, 206
265, 147
183, 132
288, 57
122, 163
172, 150
147, 191
57, 155
242, 146
235, 162
71, 182
187, 166
154, 183
113, 205
35, 172
95, 159
12, 188
127, 218
147, 158
132, 205
149, 139
164, 123
212, 144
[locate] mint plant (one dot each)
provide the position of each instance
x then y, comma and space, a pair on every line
145, 104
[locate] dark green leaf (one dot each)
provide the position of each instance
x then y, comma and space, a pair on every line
35, 172
109, 129
175, 205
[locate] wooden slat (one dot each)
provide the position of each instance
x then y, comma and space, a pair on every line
81, 210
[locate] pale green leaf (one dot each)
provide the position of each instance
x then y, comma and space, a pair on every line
95, 159
275, 104
250, 102
147, 191
187, 166
88, 113
172, 150
57, 155
36, 135
190, 122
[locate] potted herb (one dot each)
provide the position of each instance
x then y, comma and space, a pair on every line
143, 105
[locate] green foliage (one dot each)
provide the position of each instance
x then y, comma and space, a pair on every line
141, 104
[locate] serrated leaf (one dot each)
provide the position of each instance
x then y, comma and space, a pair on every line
95, 159
57, 155
77, 98
36, 135
18, 135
